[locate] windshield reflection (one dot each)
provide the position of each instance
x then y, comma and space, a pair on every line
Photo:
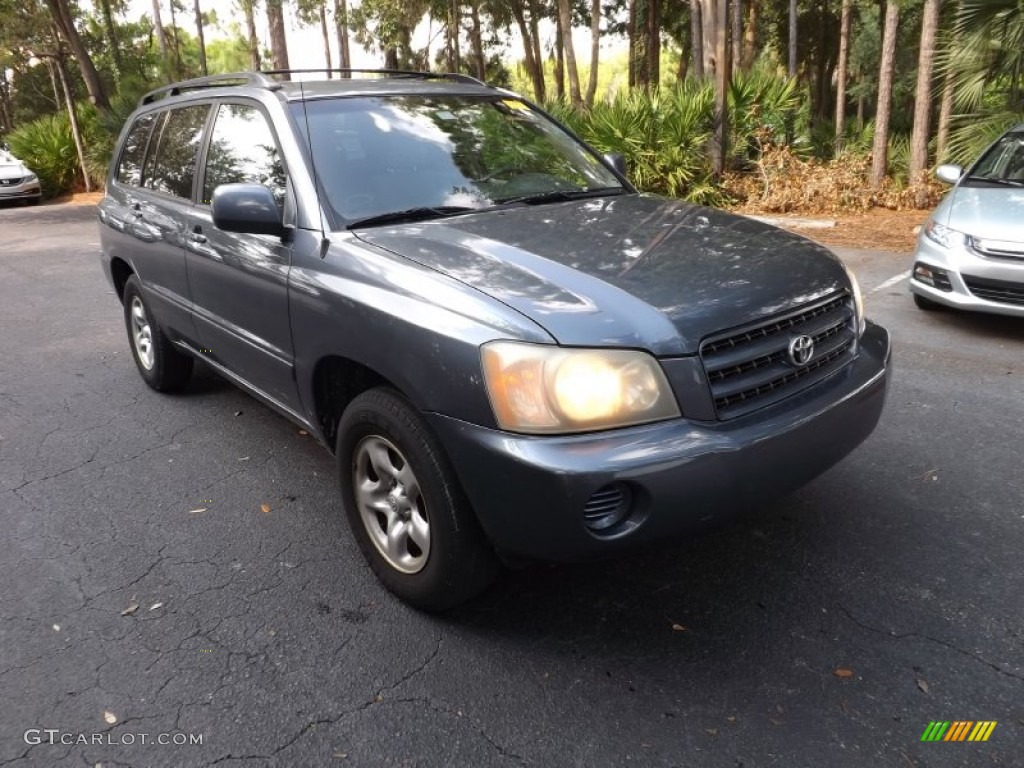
386, 154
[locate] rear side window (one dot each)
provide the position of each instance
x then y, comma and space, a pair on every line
170, 168
242, 149
129, 170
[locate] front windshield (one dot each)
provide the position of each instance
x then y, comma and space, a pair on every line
386, 154
1003, 162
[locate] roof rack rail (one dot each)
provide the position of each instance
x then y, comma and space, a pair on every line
211, 81
455, 77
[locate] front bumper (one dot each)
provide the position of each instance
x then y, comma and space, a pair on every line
25, 190
529, 491
962, 262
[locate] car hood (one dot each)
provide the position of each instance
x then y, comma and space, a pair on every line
12, 170
996, 213
628, 270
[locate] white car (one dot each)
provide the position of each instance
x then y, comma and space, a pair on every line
17, 182
970, 254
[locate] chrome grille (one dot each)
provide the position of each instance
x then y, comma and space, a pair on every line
11, 182
750, 367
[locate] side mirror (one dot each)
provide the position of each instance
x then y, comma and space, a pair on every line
949, 173
247, 208
617, 161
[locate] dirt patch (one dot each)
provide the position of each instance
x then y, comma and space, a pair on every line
78, 198
878, 229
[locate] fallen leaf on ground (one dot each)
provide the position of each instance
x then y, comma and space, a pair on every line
265, 508
110, 717
243, 458
154, 606
922, 684
341, 755
56, 627
130, 609
238, 413
678, 628
712, 731
303, 432
843, 672
197, 511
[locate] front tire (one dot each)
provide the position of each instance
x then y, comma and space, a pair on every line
406, 509
160, 364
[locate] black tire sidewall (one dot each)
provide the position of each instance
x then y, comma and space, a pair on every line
461, 562
171, 369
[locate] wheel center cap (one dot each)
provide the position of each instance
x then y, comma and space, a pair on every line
393, 501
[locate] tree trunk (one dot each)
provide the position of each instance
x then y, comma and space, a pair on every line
341, 31
880, 149
945, 113
161, 36
793, 39
175, 43
709, 34
652, 44
325, 35
533, 64
250, 28
861, 101
51, 67
565, 23
111, 31
719, 140
750, 35
923, 94
595, 50
559, 60
697, 39
535, 15
841, 75
6, 112
278, 42
477, 40
76, 132
201, 39
737, 31
61, 13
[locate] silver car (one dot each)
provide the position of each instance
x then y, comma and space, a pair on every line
970, 253
17, 182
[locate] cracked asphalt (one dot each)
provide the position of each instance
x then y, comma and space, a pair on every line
266, 634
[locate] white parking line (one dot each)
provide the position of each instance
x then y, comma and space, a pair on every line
891, 282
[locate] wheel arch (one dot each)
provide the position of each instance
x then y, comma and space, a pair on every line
120, 271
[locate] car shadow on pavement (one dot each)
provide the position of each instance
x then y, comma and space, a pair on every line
990, 326
712, 591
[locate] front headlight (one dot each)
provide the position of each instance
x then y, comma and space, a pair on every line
858, 301
31, 177
542, 389
944, 236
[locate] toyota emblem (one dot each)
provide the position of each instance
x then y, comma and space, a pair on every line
801, 350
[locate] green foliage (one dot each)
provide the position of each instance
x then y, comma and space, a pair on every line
971, 134
47, 147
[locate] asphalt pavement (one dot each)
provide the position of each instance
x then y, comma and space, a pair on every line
146, 595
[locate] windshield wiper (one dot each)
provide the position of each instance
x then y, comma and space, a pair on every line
1001, 182
423, 213
560, 195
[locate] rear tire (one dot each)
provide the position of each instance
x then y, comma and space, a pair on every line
926, 304
160, 364
405, 506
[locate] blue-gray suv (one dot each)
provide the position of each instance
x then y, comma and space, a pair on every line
512, 353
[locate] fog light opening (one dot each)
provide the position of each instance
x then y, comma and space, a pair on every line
932, 276
607, 508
